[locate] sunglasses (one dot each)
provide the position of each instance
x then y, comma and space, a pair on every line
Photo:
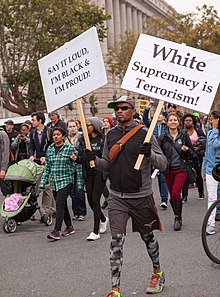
123, 108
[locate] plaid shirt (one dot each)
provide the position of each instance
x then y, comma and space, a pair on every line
59, 167
78, 169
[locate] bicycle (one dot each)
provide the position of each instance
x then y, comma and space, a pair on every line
211, 242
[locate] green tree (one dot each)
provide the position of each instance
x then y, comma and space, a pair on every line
29, 30
118, 57
199, 30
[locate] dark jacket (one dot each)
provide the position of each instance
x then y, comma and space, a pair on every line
201, 142
36, 149
176, 161
60, 124
124, 179
97, 147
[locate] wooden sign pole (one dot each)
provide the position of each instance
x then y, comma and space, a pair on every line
84, 128
150, 132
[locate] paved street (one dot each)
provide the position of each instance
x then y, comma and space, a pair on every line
31, 265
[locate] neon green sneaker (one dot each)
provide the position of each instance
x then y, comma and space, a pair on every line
157, 281
114, 293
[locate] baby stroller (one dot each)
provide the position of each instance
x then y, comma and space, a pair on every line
22, 178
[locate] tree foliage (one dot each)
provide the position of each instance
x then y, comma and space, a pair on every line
29, 30
200, 30
118, 57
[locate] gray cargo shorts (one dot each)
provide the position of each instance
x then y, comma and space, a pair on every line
142, 211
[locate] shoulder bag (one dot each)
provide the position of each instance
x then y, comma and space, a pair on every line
117, 147
191, 172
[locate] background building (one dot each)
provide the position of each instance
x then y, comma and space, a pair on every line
125, 15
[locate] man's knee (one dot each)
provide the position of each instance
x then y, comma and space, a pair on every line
147, 237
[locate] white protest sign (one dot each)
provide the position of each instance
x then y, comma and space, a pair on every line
73, 70
174, 73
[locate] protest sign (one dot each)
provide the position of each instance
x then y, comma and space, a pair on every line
142, 104
73, 70
174, 73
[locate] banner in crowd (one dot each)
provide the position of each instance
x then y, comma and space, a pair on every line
142, 104
174, 73
73, 70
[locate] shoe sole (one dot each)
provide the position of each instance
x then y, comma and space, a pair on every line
49, 237
90, 239
210, 233
67, 234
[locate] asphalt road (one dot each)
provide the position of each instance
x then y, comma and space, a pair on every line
31, 265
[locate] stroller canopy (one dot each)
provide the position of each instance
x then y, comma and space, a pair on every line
24, 170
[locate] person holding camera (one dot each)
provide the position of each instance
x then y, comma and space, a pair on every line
21, 143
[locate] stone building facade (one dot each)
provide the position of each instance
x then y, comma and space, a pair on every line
125, 15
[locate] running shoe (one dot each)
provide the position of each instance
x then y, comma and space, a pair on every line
103, 226
157, 281
81, 218
210, 230
163, 205
75, 218
114, 293
68, 231
92, 236
54, 235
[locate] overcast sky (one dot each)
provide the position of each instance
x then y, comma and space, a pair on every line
190, 5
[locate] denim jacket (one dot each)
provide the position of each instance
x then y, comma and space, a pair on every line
212, 150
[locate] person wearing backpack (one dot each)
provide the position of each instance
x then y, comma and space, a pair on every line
40, 139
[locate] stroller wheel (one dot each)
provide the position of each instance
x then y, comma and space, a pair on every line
5, 227
48, 219
10, 226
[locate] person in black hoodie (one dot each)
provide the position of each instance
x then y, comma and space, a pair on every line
94, 179
177, 147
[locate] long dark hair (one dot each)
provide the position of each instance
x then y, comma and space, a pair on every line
216, 115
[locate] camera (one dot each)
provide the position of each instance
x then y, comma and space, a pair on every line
22, 136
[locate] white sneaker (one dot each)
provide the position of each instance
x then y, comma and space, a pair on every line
163, 205
210, 230
103, 226
92, 236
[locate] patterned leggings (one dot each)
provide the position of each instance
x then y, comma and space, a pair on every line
116, 254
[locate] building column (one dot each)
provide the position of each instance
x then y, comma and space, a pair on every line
123, 17
117, 19
129, 17
140, 23
110, 23
134, 19
104, 46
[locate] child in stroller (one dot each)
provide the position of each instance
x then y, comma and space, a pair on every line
20, 204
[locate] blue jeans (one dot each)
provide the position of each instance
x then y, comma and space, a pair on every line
78, 201
218, 196
162, 187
